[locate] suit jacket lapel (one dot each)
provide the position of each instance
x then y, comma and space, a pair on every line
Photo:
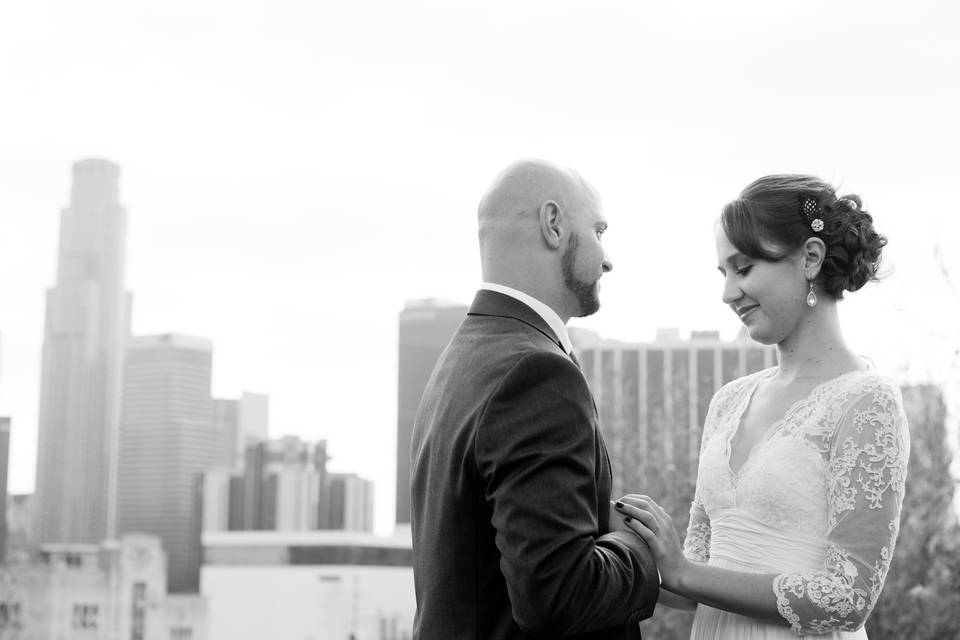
494, 303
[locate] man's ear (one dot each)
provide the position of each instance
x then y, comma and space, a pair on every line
551, 223
814, 253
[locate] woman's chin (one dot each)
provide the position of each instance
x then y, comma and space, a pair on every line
758, 335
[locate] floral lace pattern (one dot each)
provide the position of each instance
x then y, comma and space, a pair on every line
833, 469
696, 547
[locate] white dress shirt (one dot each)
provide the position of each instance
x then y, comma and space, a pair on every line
549, 315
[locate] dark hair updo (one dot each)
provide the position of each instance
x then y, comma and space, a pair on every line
767, 222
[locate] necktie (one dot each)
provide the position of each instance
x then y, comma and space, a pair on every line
573, 356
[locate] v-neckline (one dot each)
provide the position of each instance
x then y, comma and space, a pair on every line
774, 426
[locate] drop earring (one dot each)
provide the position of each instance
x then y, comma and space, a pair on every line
811, 296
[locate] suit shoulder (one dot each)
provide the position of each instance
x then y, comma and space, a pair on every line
542, 363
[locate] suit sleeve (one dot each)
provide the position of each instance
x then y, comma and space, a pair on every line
536, 452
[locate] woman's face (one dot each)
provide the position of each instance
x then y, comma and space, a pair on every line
768, 297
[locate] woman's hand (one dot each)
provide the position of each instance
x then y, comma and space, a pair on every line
648, 520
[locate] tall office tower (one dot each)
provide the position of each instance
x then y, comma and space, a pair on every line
87, 326
168, 439
426, 327
351, 502
4, 469
652, 399
241, 421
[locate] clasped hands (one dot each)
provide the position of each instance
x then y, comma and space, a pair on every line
641, 515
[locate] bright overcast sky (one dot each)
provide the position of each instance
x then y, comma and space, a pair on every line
295, 171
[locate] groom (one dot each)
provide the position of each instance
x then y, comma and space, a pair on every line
510, 476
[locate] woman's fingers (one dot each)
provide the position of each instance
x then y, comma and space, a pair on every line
648, 518
636, 507
642, 530
643, 502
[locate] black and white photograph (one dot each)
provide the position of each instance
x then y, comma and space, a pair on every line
488, 320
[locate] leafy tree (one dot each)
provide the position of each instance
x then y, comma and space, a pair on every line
921, 597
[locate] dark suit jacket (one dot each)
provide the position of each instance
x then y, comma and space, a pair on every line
510, 493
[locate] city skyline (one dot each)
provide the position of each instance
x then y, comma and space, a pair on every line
294, 174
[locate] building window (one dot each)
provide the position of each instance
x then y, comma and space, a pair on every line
85, 616
10, 615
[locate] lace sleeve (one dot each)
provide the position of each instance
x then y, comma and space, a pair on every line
696, 546
867, 469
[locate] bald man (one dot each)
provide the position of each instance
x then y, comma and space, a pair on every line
510, 476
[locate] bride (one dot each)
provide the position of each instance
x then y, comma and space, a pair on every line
802, 466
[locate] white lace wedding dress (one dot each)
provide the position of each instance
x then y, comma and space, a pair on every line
817, 502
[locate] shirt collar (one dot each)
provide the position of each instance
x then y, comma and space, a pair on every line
549, 315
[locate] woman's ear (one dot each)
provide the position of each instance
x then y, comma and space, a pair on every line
551, 223
814, 253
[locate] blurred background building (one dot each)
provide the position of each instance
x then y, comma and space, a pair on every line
653, 397
425, 328
87, 325
20, 520
284, 485
320, 584
97, 592
4, 472
168, 438
242, 420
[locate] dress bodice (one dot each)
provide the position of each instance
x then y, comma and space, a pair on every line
830, 474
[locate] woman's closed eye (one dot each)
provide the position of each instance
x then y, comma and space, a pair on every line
744, 270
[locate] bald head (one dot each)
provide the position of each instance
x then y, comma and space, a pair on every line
528, 219
509, 215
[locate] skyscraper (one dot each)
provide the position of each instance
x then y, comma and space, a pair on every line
652, 398
241, 421
426, 327
283, 485
351, 502
168, 439
87, 326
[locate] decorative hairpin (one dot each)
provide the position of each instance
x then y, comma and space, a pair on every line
811, 211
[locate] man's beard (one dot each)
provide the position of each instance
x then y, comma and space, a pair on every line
585, 292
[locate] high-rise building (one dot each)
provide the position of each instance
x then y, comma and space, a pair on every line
87, 326
652, 398
168, 439
4, 470
426, 327
284, 486
351, 502
242, 421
